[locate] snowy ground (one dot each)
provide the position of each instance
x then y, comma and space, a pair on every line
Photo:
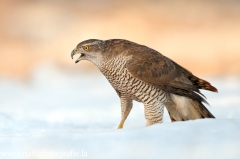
58, 114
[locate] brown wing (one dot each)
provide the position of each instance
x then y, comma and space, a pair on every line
154, 68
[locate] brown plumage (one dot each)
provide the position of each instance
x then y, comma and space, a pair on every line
125, 63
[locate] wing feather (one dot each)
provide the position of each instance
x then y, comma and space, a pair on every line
152, 67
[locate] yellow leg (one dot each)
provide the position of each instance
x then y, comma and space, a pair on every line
120, 126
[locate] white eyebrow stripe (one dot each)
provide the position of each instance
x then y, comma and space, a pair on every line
92, 43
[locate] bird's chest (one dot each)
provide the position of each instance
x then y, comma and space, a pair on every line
126, 84
116, 72
118, 77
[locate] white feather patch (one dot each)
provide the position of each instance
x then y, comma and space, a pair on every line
182, 104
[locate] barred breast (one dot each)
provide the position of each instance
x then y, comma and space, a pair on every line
119, 77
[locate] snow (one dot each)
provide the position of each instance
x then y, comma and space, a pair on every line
59, 113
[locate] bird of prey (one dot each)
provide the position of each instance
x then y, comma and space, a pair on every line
140, 73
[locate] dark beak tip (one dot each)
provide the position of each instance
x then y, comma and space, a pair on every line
72, 54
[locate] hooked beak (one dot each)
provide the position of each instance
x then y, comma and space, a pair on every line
81, 55
73, 53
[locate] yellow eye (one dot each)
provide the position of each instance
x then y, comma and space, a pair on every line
85, 48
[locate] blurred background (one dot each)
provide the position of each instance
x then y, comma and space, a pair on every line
41, 88
43, 92
203, 36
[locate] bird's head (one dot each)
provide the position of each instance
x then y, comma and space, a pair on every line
90, 50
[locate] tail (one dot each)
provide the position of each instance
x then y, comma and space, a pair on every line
202, 84
187, 104
198, 82
182, 108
